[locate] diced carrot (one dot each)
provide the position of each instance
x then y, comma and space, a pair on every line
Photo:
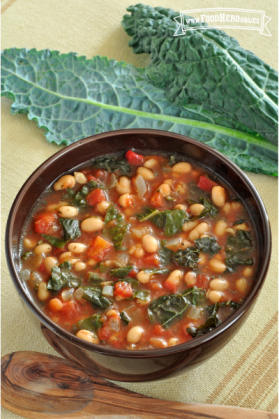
157, 200
44, 222
96, 196
98, 248
206, 184
134, 159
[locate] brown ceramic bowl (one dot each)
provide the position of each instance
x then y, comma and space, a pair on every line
137, 365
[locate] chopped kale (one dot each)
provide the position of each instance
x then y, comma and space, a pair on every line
196, 295
142, 295
55, 241
148, 213
237, 249
121, 272
209, 208
133, 281
188, 258
95, 279
170, 220
235, 260
165, 254
70, 227
157, 271
61, 277
207, 245
167, 309
68, 196
92, 323
239, 222
112, 164
94, 295
117, 231
124, 317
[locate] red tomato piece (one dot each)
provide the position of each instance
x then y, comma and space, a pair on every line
133, 272
150, 261
44, 222
91, 177
206, 184
123, 289
104, 333
203, 282
171, 284
134, 159
98, 248
157, 200
159, 330
96, 196
70, 310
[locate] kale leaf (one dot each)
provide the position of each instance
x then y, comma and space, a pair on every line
164, 253
61, 277
207, 245
170, 220
157, 271
95, 279
209, 208
92, 323
124, 317
237, 249
70, 227
188, 258
111, 164
196, 295
55, 241
118, 230
94, 295
121, 272
142, 295
167, 309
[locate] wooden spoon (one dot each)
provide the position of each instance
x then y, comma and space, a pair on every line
41, 386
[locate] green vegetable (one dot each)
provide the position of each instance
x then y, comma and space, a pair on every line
80, 198
206, 67
124, 317
96, 298
212, 320
27, 255
70, 227
167, 309
116, 232
148, 213
237, 248
238, 222
170, 220
61, 277
121, 272
92, 323
209, 208
111, 164
157, 271
208, 245
188, 258
165, 254
55, 241
142, 295
133, 281
81, 109
197, 295
95, 279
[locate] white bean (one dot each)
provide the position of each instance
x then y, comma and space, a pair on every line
43, 293
182, 167
243, 226
218, 195
68, 211
164, 189
29, 243
134, 335
91, 224
196, 209
180, 207
80, 178
248, 271
147, 174
139, 252
88, 336
181, 188
42, 248
77, 247
150, 164
217, 266
226, 208
173, 342
126, 200
190, 279
49, 263
158, 342
241, 284
174, 279
66, 256
102, 207
190, 225
66, 181
143, 277
79, 266
198, 231
214, 296
168, 181
123, 185
219, 284
220, 227
149, 243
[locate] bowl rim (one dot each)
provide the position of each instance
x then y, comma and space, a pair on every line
147, 353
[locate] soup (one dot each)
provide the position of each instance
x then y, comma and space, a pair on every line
139, 251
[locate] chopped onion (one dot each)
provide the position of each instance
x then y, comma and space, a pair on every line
35, 279
78, 293
25, 274
173, 244
67, 295
194, 312
140, 185
122, 258
139, 232
108, 290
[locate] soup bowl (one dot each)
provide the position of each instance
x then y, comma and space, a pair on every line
136, 365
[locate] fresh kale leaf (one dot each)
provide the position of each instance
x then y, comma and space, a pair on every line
94, 295
133, 281
61, 277
165, 254
80, 198
208, 245
237, 248
209, 208
70, 227
238, 222
118, 230
69, 195
157, 271
196, 295
121, 272
111, 164
95, 279
170, 220
92, 323
167, 309
124, 317
235, 260
187, 258
148, 213
142, 295
112, 214
55, 241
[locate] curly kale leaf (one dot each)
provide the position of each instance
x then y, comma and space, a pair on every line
61, 277
206, 67
112, 164
69, 101
92, 323
170, 220
209, 208
94, 295
117, 230
237, 249
208, 245
167, 309
121, 272
188, 258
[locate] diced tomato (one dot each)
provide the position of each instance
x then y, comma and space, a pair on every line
150, 261
133, 272
44, 222
101, 175
158, 330
91, 177
206, 184
134, 159
123, 289
171, 284
157, 200
202, 282
104, 333
70, 310
98, 248
42, 268
96, 196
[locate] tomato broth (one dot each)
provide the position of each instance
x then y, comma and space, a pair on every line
139, 251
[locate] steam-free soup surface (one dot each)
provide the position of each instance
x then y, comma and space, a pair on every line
139, 252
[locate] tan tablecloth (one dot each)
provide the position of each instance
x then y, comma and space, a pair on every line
244, 372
